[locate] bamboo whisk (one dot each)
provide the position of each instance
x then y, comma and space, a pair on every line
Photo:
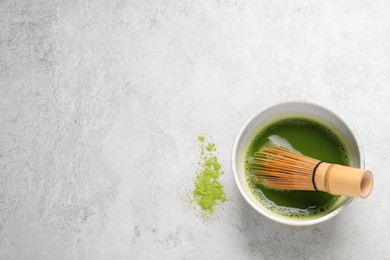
281, 169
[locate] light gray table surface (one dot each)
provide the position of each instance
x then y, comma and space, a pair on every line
101, 103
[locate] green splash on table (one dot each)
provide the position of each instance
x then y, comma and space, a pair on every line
208, 190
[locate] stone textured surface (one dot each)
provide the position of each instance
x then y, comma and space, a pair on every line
101, 103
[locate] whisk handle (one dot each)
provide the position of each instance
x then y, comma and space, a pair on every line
344, 180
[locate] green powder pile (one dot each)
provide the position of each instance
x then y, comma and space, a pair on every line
208, 190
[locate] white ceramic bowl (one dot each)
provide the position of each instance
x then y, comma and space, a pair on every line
289, 109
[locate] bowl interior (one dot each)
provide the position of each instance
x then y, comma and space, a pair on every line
268, 116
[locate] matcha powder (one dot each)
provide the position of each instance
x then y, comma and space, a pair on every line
208, 190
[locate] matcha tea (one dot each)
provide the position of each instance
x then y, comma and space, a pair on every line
310, 138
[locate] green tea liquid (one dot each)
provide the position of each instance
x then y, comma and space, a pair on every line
312, 139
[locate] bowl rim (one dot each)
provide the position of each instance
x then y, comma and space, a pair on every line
281, 219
